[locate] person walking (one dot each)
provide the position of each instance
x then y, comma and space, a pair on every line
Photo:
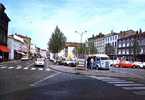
92, 63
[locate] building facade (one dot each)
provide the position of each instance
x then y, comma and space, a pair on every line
27, 41
125, 45
15, 45
112, 39
100, 45
43, 53
4, 20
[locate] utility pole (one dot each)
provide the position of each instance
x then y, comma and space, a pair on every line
81, 37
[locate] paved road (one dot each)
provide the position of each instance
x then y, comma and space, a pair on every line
21, 82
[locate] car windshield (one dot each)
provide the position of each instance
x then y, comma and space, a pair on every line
104, 58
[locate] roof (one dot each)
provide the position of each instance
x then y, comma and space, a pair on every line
111, 34
11, 37
72, 44
98, 55
22, 36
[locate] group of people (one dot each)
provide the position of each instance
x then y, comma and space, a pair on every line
90, 63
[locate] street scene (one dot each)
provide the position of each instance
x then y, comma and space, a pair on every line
72, 50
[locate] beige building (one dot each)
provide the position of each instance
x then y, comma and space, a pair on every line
100, 45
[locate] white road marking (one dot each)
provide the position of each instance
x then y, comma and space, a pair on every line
26, 67
10, 67
3, 67
47, 69
37, 82
18, 67
114, 80
128, 85
120, 82
40, 68
33, 68
100, 78
30, 65
139, 92
134, 88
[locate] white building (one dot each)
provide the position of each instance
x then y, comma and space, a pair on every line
17, 47
43, 53
33, 50
112, 39
100, 45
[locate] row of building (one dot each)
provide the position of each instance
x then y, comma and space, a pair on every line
122, 43
15, 46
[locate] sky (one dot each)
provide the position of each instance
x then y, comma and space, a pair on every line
38, 18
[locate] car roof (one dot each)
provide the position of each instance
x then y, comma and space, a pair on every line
98, 55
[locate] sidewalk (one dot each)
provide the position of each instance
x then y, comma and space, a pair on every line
10, 61
99, 73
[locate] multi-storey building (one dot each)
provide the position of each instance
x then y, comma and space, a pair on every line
27, 41
15, 45
125, 44
112, 40
100, 45
4, 20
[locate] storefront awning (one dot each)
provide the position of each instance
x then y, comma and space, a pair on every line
4, 48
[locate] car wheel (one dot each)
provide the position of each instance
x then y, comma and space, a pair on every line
134, 66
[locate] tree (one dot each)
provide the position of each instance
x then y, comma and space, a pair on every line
92, 48
136, 48
57, 41
109, 49
81, 49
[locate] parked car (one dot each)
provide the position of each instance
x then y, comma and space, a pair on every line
39, 62
125, 64
71, 63
139, 64
60, 61
81, 63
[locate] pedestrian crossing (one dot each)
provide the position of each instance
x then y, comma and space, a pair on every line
19, 67
138, 89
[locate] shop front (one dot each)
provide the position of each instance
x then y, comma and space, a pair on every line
4, 53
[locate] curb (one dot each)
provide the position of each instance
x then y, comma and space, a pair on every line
87, 74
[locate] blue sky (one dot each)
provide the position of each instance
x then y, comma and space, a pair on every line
38, 18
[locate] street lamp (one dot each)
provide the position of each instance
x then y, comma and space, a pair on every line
81, 41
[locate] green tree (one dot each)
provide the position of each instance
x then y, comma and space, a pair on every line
57, 41
81, 49
92, 48
109, 49
136, 48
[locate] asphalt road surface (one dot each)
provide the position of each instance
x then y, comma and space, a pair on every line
23, 81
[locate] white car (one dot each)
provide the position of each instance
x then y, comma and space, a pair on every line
24, 58
139, 64
72, 63
39, 62
81, 63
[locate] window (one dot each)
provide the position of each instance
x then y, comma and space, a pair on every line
116, 37
127, 44
119, 51
127, 51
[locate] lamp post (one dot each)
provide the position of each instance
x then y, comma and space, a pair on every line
81, 37
81, 41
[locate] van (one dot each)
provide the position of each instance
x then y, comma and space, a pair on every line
101, 61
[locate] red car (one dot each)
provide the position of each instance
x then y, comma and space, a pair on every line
125, 64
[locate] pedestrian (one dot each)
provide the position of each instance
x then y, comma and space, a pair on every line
88, 62
92, 63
